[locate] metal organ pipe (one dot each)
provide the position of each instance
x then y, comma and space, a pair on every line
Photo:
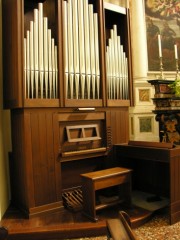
76, 46
50, 63
70, 48
36, 51
41, 64
31, 45
46, 56
81, 47
25, 65
65, 48
28, 64
97, 53
92, 49
87, 48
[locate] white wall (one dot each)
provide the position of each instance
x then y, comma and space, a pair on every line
5, 140
141, 113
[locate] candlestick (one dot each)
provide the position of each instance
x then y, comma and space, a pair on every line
175, 51
159, 44
161, 76
177, 70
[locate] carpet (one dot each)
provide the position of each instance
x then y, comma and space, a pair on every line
158, 229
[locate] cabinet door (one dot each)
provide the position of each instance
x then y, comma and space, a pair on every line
35, 168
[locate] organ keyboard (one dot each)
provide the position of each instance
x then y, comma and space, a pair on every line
85, 151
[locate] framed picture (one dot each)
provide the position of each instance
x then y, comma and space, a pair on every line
162, 17
145, 124
144, 95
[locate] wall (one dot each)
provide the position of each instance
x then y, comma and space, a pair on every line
5, 140
143, 126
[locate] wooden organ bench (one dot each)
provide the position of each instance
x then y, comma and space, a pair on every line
93, 181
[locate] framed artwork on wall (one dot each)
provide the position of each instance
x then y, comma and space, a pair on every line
145, 124
162, 17
144, 127
144, 96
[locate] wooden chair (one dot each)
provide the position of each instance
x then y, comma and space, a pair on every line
120, 228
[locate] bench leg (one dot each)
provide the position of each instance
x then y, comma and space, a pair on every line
89, 200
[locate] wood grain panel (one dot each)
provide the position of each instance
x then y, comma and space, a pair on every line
35, 169
43, 157
175, 179
12, 52
17, 163
120, 125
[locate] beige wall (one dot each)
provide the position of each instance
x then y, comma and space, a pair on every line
5, 142
141, 113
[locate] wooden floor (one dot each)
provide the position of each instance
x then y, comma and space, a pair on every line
65, 224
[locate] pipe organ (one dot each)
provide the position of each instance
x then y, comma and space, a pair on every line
68, 84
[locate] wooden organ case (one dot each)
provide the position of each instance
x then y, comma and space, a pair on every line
68, 86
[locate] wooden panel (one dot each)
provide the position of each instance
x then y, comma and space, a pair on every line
163, 154
35, 168
175, 179
147, 167
72, 170
83, 103
28, 154
120, 125
12, 14
81, 116
155, 170
18, 165
43, 158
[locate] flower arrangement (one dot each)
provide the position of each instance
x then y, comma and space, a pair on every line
175, 87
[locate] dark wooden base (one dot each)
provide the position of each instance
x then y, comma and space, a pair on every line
66, 224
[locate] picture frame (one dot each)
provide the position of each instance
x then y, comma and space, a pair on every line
162, 17
144, 96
